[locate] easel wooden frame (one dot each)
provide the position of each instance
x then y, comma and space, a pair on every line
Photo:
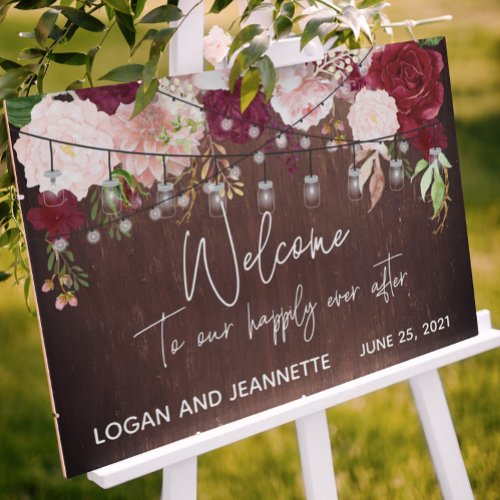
179, 460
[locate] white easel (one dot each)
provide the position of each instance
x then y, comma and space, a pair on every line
179, 460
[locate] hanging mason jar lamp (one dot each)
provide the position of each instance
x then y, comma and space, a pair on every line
311, 187
353, 186
311, 191
396, 172
111, 199
434, 161
396, 175
53, 197
265, 197
217, 201
166, 199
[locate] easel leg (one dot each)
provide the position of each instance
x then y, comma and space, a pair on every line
316, 457
179, 481
442, 441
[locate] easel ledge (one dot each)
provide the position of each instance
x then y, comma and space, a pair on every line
309, 414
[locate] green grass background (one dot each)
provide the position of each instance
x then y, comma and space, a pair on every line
378, 446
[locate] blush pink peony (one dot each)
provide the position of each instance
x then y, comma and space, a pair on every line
77, 122
164, 127
297, 94
216, 45
373, 114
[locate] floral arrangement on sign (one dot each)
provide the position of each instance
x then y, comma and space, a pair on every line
82, 143
146, 34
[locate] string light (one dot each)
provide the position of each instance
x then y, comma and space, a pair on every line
52, 197
404, 146
253, 132
396, 173
353, 186
125, 226
281, 141
94, 236
61, 244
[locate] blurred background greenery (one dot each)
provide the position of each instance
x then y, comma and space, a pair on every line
378, 446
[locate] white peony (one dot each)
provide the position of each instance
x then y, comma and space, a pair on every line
216, 45
373, 115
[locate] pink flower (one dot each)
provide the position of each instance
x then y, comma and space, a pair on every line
47, 286
165, 127
74, 122
373, 114
216, 45
66, 298
298, 92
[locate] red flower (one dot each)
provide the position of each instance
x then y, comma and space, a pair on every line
410, 74
227, 105
424, 140
108, 98
57, 220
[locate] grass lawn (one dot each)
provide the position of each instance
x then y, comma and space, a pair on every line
379, 449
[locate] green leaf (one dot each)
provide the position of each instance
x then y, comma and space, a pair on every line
150, 34
19, 110
138, 7
144, 96
437, 192
248, 56
76, 84
4, 276
3, 12
127, 27
31, 53
71, 58
419, 167
312, 29
430, 42
162, 14
288, 9
249, 88
118, 5
124, 74
160, 41
7, 64
34, 4
150, 68
89, 63
82, 19
425, 182
268, 75
27, 283
219, 5
50, 263
444, 161
283, 26
129, 178
40, 77
244, 36
44, 26
13, 78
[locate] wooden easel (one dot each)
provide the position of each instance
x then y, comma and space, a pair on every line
179, 460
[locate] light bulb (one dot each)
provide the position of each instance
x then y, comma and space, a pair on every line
165, 198
265, 197
311, 191
404, 146
226, 124
61, 244
305, 142
259, 157
254, 132
111, 197
216, 200
125, 226
235, 172
93, 236
155, 214
52, 197
353, 188
396, 175
281, 141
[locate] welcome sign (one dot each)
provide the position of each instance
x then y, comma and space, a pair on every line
195, 265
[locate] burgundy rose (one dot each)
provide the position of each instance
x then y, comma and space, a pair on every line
225, 104
424, 140
410, 74
108, 99
57, 220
